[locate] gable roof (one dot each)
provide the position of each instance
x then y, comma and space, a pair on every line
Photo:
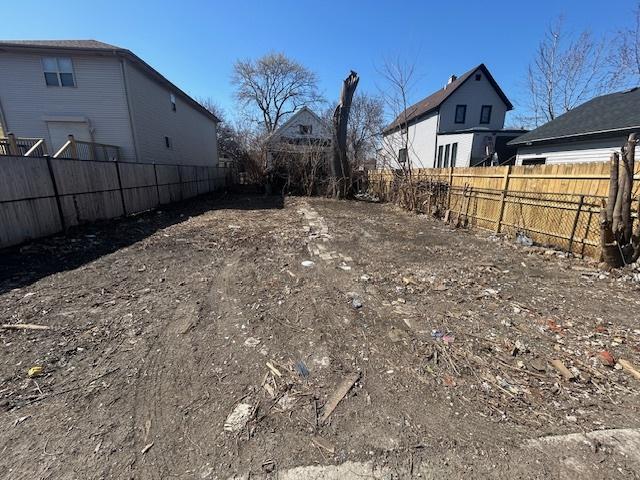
431, 103
608, 113
293, 118
94, 46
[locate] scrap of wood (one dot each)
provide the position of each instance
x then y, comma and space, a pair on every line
146, 448
338, 395
560, 367
322, 443
24, 326
628, 366
274, 369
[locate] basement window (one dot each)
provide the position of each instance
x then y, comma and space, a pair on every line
58, 72
534, 161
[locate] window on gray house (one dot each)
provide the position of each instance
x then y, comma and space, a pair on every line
439, 162
305, 129
534, 161
478, 77
454, 154
402, 155
58, 72
461, 113
485, 114
173, 102
446, 156
167, 142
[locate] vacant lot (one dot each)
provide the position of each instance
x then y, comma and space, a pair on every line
161, 325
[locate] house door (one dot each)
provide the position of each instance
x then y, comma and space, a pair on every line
59, 133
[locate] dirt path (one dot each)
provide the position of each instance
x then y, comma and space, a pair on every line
161, 325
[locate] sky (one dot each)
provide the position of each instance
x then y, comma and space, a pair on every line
195, 43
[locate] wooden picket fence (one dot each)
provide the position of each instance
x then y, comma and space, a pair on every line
554, 205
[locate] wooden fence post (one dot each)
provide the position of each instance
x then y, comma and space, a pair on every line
124, 206
503, 198
73, 146
450, 187
13, 145
55, 192
575, 223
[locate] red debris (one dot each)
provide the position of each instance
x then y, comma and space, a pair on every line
606, 358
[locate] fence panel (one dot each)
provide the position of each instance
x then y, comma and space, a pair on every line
555, 205
41, 196
35, 213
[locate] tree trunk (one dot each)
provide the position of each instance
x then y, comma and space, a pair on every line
340, 167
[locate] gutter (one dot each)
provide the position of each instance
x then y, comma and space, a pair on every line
573, 135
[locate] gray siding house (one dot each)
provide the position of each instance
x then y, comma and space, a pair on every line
103, 94
460, 125
588, 133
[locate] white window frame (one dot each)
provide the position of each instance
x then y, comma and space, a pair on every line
59, 71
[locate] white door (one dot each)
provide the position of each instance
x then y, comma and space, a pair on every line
59, 133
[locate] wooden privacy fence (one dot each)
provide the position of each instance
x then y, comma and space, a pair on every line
41, 196
555, 205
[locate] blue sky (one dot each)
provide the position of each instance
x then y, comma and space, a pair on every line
195, 43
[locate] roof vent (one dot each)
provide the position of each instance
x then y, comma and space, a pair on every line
452, 79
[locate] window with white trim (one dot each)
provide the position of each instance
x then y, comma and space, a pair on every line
58, 72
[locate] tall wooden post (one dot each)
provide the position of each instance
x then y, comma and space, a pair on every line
13, 145
503, 197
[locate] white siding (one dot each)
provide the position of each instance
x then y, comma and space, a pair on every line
583, 151
98, 96
465, 146
473, 93
192, 134
422, 143
291, 128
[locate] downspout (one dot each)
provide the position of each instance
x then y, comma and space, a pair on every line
3, 121
129, 107
435, 150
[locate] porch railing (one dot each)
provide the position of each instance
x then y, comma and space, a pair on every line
79, 150
22, 147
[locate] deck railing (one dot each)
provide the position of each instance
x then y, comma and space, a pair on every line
79, 150
22, 147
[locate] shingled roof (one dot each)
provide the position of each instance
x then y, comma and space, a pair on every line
79, 44
609, 113
94, 46
431, 103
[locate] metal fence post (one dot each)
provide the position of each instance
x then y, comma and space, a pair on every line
503, 198
575, 223
63, 224
124, 207
180, 180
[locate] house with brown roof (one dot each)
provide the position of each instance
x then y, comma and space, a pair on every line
460, 125
101, 94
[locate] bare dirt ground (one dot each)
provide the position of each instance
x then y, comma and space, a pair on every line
163, 324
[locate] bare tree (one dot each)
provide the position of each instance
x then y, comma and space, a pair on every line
273, 87
625, 56
566, 71
365, 128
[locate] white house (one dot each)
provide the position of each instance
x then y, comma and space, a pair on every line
588, 133
103, 94
460, 125
304, 131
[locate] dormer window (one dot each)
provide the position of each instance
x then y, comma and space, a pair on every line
58, 72
305, 129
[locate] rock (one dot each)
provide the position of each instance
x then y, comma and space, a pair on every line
356, 303
252, 342
606, 358
238, 418
308, 263
538, 364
